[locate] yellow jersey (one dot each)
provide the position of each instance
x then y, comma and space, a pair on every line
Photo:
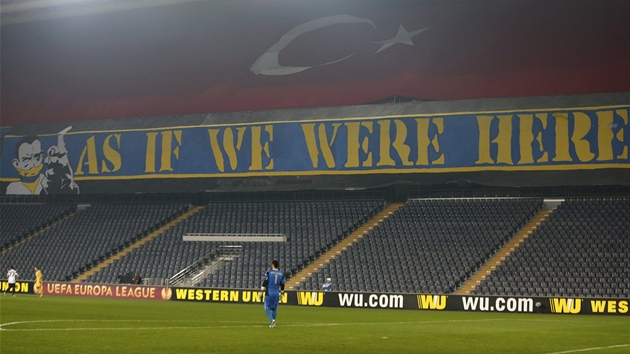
38, 277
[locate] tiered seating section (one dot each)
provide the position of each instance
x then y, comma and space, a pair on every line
19, 221
428, 246
92, 235
310, 226
581, 250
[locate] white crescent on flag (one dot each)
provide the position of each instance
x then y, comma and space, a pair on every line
267, 64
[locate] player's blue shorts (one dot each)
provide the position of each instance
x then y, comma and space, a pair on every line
271, 301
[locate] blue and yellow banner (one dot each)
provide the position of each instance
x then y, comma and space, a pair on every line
523, 140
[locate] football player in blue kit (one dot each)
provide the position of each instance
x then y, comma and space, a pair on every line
273, 287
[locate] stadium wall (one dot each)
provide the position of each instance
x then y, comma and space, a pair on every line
503, 143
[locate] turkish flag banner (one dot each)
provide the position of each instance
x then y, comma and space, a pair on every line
207, 57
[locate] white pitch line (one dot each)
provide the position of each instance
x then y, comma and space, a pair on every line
590, 349
3, 325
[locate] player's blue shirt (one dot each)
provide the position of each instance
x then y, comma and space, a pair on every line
327, 286
273, 278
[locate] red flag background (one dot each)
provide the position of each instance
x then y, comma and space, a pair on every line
200, 57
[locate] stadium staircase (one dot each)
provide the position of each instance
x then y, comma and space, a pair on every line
39, 232
340, 247
135, 245
494, 262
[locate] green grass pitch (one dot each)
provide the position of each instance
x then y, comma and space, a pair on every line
30, 324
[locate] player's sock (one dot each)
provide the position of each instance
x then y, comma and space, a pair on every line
269, 314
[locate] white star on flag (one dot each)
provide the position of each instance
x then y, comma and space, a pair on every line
403, 37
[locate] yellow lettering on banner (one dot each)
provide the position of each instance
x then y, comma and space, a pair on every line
180, 294
424, 140
247, 296
216, 150
422, 128
606, 135
503, 140
259, 147
149, 162
324, 145
483, 123
234, 295
89, 152
432, 302
229, 147
581, 127
357, 146
168, 150
609, 306
307, 298
598, 306
562, 305
562, 137
168, 147
257, 296
111, 155
21, 287
623, 113
215, 295
528, 136
399, 145
385, 144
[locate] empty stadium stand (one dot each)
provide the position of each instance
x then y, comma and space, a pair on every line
95, 233
581, 250
427, 246
19, 221
310, 227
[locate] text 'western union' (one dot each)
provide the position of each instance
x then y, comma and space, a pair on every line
221, 295
609, 306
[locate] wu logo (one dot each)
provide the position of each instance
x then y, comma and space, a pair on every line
307, 298
432, 302
562, 305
